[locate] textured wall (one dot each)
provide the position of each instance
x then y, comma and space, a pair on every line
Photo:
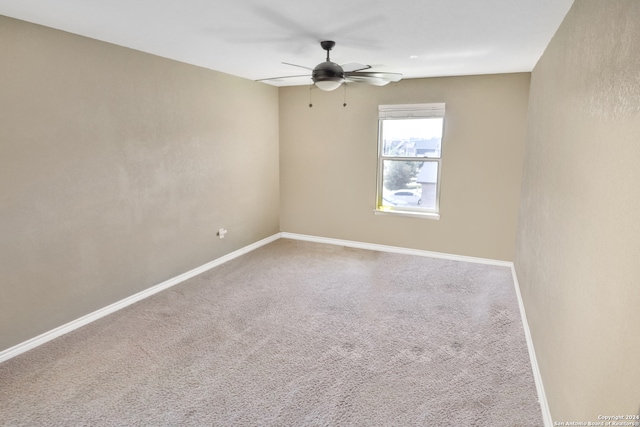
328, 164
578, 247
116, 170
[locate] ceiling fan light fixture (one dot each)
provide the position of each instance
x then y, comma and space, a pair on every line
328, 85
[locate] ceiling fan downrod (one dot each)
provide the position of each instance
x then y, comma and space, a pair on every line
327, 45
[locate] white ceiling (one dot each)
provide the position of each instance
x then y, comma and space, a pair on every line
250, 38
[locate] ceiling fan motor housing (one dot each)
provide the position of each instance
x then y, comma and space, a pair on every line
328, 72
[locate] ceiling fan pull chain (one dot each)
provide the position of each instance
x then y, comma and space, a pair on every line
345, 95
310, 104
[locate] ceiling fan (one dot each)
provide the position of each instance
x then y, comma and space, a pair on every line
329, 75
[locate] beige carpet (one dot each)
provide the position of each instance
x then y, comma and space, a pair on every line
293, 334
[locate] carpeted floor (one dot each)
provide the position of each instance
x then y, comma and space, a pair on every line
293, 334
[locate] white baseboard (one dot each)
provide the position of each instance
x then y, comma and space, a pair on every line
84, 320
75, 324
537, 377
394, 249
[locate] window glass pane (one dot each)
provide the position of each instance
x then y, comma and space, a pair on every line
412, 137
409, 184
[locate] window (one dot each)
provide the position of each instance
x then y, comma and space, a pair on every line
410, 158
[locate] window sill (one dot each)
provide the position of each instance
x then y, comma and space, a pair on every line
412, 214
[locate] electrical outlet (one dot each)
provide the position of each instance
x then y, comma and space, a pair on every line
221, 232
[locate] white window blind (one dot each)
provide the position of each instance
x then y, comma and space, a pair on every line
405, 111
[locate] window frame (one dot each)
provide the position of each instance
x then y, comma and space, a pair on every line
408, 112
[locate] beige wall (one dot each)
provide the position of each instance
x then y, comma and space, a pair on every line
578, 247
116, 170
328, 164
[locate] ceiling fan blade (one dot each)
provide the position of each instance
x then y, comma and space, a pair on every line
299, 66
282, 77
375, 81
354, 66
392, 77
